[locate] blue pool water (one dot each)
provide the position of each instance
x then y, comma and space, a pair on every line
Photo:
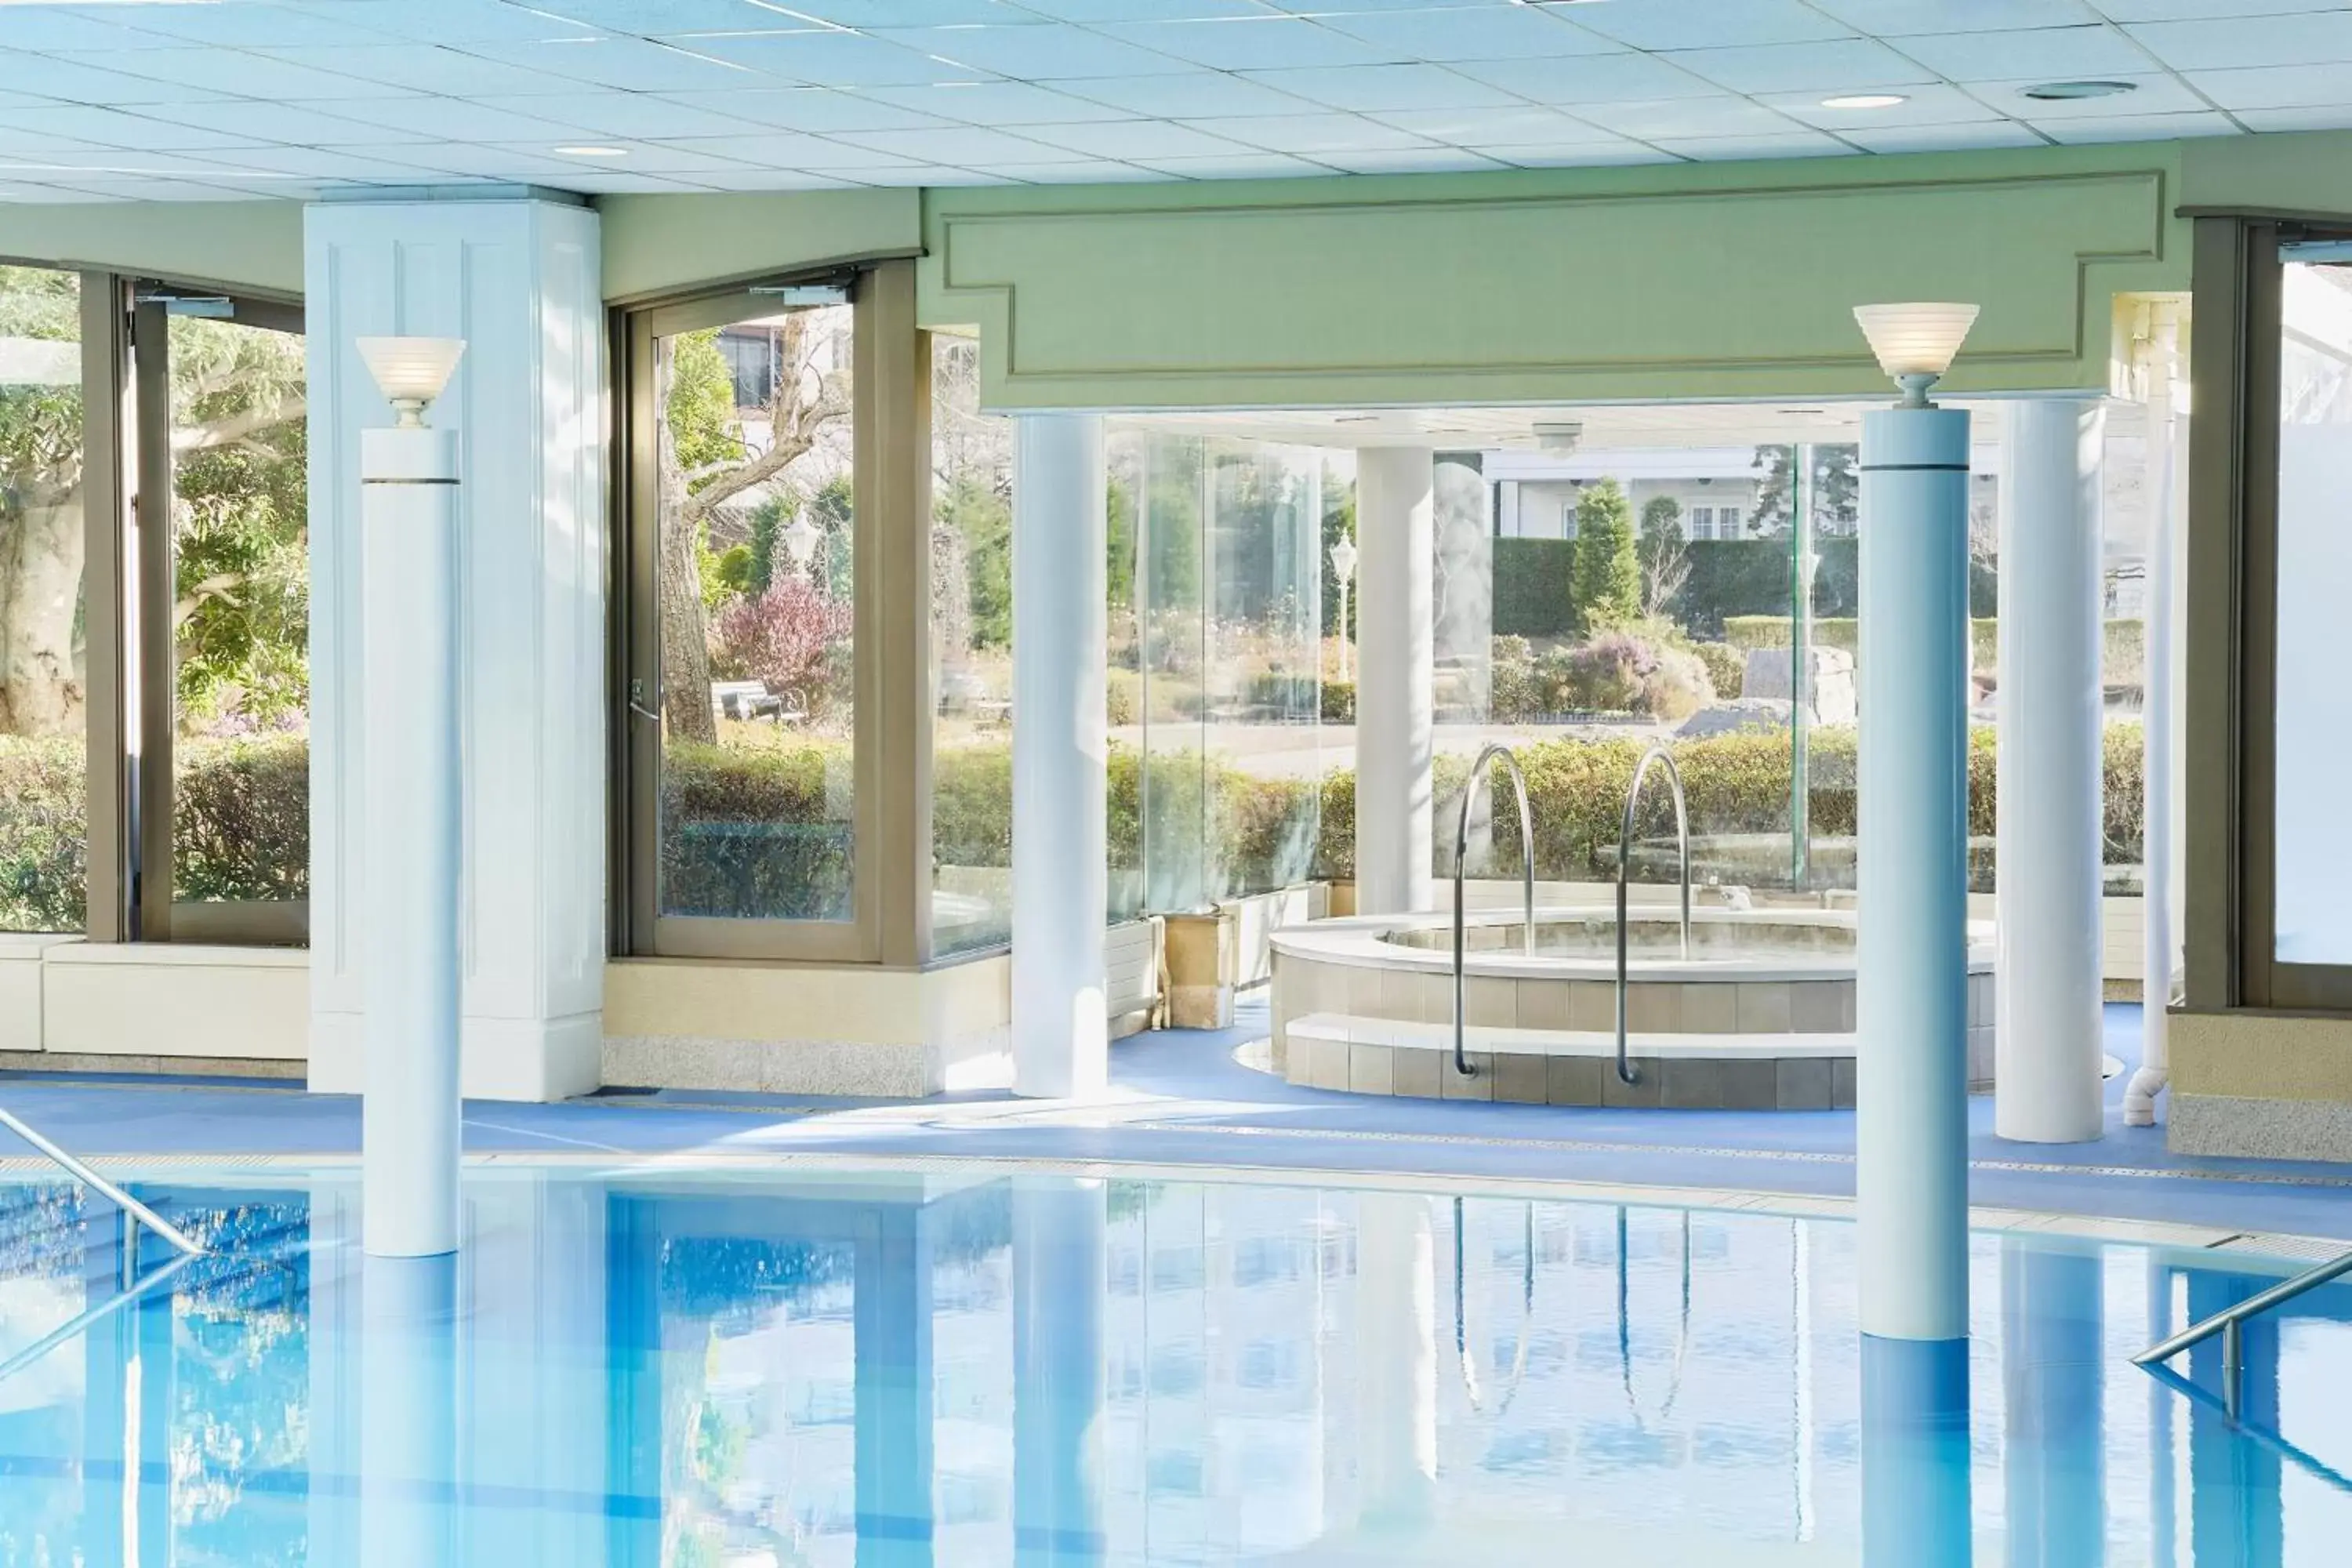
672, 1368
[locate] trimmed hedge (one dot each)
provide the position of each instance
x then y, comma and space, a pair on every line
1532, 587
759, 838
2123, 653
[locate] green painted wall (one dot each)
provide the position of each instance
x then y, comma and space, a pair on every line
1715, 281
659, 244
244, 244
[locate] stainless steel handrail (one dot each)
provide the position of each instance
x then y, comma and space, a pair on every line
2229, 1323
1493, 753
119, 1198
1656, 753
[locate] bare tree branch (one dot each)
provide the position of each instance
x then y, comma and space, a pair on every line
237, 427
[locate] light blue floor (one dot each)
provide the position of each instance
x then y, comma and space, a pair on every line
1182, 1099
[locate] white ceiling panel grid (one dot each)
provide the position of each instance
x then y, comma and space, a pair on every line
612, 95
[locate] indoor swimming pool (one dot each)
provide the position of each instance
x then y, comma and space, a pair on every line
960, 1363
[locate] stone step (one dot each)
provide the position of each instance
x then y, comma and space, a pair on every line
1540, 1067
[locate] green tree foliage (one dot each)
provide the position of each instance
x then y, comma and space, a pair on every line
41, 546
1664, 563
701, 409
983, 520
1661, 514
1606, 583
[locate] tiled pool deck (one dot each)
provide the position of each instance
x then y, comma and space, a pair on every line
1180, 1099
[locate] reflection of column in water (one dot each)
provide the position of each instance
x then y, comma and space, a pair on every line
2054, 1471
2163, 1408
408, 1407
1800, 1272
892, 1312
1915, 1453
1396, 1361
2237, 1511
1058, 1285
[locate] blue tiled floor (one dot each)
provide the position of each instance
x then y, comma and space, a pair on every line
1180, 1099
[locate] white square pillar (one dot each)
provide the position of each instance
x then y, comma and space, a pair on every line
518, 280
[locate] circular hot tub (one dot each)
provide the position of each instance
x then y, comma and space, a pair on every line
1760, 1015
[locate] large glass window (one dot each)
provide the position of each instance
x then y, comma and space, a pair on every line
971, 659
742, 696
236, 708
2312, 917
44, 830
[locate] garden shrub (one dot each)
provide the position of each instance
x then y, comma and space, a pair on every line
241, 830
1727, 668
44, 836
1532, 594
1339, 701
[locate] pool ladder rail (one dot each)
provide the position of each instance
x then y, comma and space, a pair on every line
1656, 753
1495, 753
2230, 1323
133, 1210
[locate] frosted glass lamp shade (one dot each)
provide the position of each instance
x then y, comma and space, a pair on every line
1343, 559
1915, 338
410, 371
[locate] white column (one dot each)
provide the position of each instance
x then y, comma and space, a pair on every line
2046, 1050
519, 281
1060, 893
409, 854
1058, 1286
1911, 990
1394, 738
2054, 1394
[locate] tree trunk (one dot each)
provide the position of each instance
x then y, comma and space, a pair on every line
40, 592
684, 646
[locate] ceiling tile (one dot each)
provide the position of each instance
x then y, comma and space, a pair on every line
1363, 89
684, 158
92, 126
971, 146
486, 160
1896, 18
1077, 171
2045, 54
2152, 93
2138, 127
648, 18
1484, 127
2309, 117
1412, 161
52, 27
454, 119
78, 83
452, 21
799, 151
1313, 134
18, 191
620, 183
233, 24
995, 103
2247, 41
1988, 133
133, 163
1689, 116
301, 125
322, 162
1835, 66
631, 64
236, 72
1591, 78
1248, 166
1699, 23
1194, 97
1121, 10
1269, 43
1044, 52
618, 113
1724, 149
1924, 103
154, 189
904, 174
832, 59
911, 13
2191, 10
750, 179
22, 141
1486, 32
1135, 141
814, 107
1578, 154
423, 67
2281, 86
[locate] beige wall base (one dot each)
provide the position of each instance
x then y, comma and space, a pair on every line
2261, 1084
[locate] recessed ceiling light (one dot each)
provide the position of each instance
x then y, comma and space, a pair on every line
2061, 92
1864, 100
593, 151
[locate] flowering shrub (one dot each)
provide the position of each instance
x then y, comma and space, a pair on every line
794, 637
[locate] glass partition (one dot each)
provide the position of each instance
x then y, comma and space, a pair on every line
43, 829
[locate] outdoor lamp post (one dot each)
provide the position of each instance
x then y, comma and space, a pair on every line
1343, 564
801, 541
1911, 981
409, 861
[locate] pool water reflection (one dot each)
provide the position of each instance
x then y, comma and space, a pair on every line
688, 1370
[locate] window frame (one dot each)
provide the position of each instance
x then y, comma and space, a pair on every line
640, 929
